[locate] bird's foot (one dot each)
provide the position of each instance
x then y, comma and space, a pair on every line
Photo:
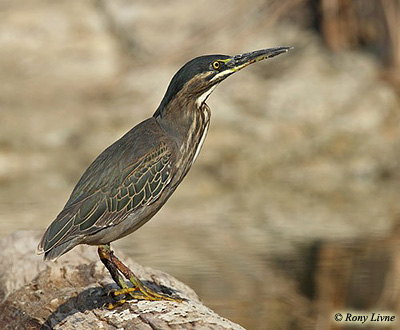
138, 291
143, 293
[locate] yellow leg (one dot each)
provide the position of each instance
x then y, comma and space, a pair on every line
104, 253
138, 291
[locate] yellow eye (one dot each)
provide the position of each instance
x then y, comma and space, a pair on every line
216, 65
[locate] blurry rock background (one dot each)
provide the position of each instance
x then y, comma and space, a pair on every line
291, 212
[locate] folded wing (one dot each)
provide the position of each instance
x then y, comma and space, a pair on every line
93, 207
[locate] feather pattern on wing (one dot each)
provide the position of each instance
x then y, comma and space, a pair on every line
107, 203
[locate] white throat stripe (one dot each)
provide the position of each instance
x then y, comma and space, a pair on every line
203, 97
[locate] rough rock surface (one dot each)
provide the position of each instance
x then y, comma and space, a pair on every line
71, 292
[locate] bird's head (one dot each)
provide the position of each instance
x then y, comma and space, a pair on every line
197, 79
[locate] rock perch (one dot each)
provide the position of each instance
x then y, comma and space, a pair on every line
70, 294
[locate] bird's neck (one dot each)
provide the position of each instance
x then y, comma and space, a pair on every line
183, 117
187, 124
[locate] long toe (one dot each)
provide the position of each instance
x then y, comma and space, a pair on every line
148, 294
125, 291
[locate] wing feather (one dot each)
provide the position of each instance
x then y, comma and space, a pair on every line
138, 184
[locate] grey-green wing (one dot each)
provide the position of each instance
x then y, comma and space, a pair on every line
92, 208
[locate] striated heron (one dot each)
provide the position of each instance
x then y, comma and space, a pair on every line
133, 178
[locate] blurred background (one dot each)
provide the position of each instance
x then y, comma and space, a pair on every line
291, 212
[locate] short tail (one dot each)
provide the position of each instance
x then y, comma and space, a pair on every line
57, 250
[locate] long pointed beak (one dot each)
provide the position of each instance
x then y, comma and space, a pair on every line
238, 62
242, 60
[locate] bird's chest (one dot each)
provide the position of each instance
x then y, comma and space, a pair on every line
195, 137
